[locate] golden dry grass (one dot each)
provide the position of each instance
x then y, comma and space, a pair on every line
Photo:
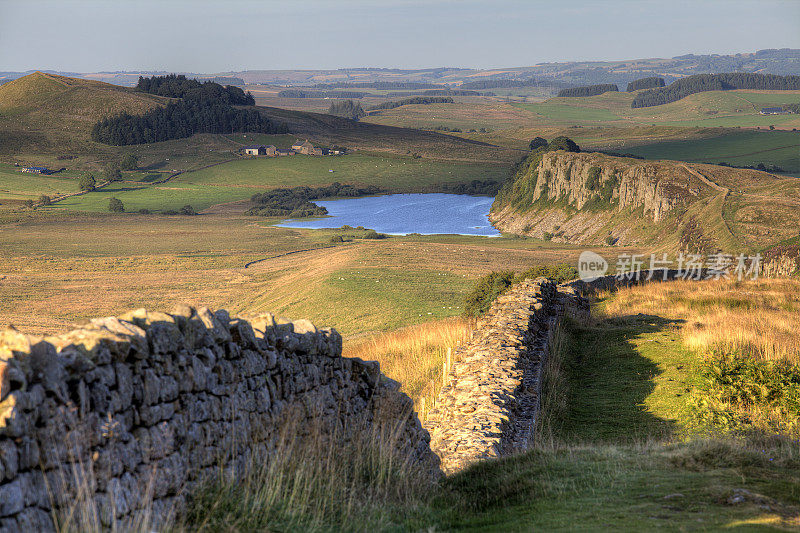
415, 355
759, 319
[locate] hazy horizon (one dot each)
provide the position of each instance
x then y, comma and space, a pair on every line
213, 37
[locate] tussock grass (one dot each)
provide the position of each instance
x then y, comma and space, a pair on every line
414, 355
757, 319
321, 481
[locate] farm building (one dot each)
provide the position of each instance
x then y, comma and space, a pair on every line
36, 170
306, 148
773, 111
255, 150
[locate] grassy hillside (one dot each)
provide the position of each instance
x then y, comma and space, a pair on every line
707, 109
741, 148
45, 112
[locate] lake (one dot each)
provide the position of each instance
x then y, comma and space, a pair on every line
401, 214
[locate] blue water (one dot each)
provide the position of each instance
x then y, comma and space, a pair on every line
400, 214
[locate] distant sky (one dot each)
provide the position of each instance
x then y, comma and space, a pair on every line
227, 35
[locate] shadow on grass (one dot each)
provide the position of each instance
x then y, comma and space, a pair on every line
121, 189
608, 381
154, 166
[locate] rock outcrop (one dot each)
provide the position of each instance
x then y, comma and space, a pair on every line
148, 405
581, 197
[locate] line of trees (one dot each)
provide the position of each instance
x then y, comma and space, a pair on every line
646, 83
509, 83
589, 90
425, 100
381, 85
300, 93
346, 109
714, 82
297, 201
182, 119
179, 86
203, 108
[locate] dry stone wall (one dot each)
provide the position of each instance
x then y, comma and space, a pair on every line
147, 405
489, 405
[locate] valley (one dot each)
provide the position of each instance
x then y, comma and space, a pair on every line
633, 432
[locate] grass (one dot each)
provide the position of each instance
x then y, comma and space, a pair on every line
59, 267
707, 109
414, 355
757, 318
617, 451
745, 148
239, 179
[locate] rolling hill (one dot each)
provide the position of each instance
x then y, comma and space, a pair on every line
43, 115
42, 112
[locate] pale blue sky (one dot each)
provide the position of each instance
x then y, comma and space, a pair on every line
216, 36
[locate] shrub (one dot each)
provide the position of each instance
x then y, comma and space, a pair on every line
593, 182
28, 203
372, 234
129, 162
337, 238
492, 285
115, 205
537, 142
87, 183
144, 211
489, 287
563, 143
558, 273
610, 240
187, 210
112, 171
44, 200
739, 392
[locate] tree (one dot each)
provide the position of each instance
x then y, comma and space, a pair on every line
44, 200
115, 205
537, 142
187, 210
563, 143
347, 109
112, 172
87, 183
589, 90
129, 162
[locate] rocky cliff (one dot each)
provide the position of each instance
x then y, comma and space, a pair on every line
594, 198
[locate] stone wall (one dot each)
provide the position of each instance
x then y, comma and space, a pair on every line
489, 405
145, 406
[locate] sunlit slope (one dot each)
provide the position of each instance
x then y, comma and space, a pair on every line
42, 111
712, 108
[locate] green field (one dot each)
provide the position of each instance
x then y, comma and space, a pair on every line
17, 186
706, 109
745, 148
240, 179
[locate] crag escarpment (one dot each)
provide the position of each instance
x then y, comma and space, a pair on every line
593, 198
